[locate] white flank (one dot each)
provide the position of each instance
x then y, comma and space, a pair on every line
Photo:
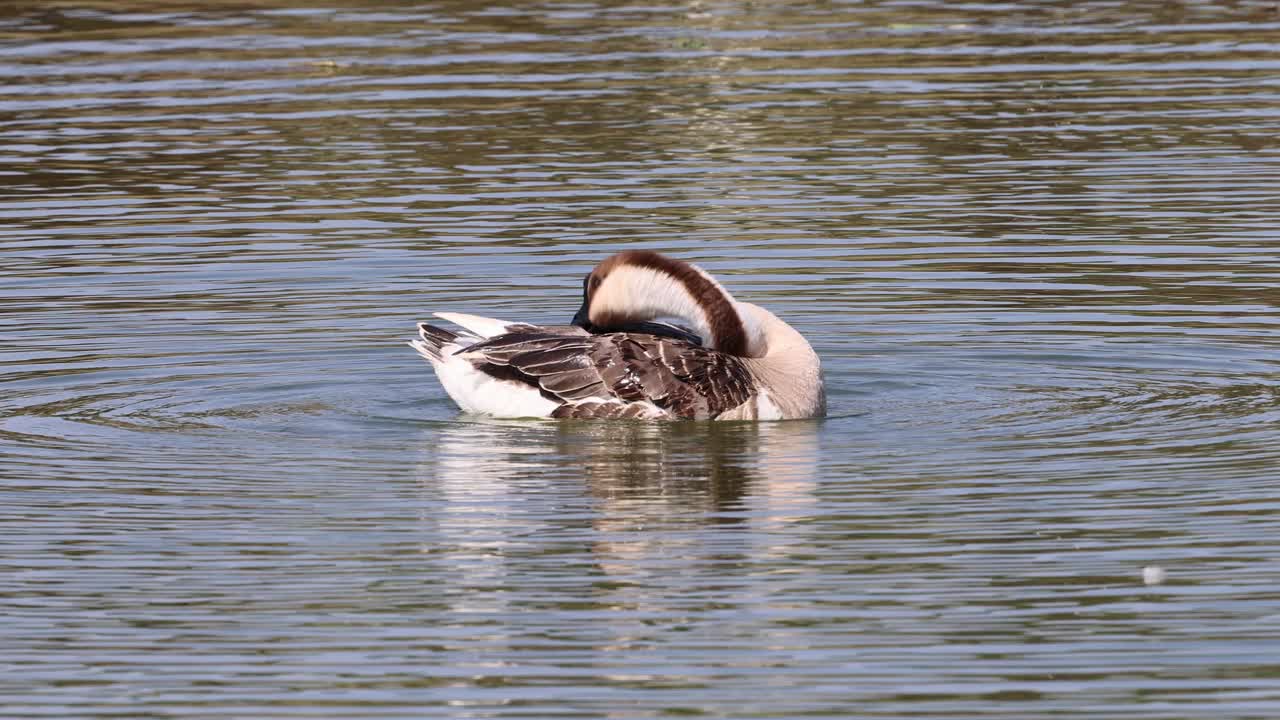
480, 394
765, 409
481, 326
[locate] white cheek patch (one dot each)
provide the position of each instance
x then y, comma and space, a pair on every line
633, 294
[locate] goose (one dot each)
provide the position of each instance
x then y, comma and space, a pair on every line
738, 362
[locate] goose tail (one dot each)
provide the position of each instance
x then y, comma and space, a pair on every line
433, 342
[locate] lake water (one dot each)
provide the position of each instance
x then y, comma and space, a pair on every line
1036, 244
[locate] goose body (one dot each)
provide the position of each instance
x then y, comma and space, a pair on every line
739, 363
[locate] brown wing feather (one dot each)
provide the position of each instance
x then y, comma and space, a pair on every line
718, 379
618, 374
610, 410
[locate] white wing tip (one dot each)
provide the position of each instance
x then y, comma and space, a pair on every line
482, 326
422, 349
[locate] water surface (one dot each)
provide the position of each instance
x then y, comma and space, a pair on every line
1034, 243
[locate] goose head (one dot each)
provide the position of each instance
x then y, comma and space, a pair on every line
640, 285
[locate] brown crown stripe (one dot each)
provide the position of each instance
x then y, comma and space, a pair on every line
726, 327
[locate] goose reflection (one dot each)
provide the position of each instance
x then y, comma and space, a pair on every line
624, 490
659, 488
662, 469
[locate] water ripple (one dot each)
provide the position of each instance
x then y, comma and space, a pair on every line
1033, 245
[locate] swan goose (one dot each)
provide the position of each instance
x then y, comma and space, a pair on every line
612, 362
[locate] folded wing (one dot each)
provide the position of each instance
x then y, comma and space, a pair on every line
618, 374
